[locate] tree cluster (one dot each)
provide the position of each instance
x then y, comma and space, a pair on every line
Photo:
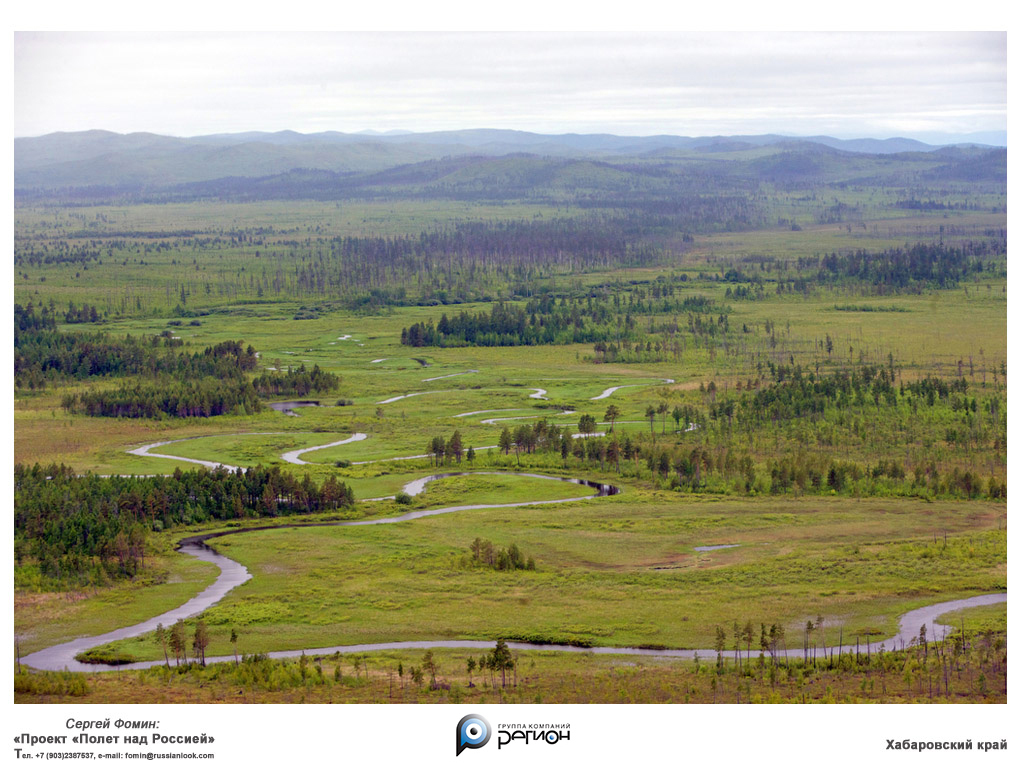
42, 354
91, 528
299, 382
165, 397
483, 552
922, 265
568, 320
506, 326
442, 452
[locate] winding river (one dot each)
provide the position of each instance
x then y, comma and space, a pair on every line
608, 392
292, 457
232, 574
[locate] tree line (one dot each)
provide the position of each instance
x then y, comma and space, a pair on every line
922, 265
172, 382
696, 465
44, 354
484, 553
300, 382
168, 397
568, 320
165, 396
89, 529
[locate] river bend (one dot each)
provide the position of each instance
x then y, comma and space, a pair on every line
233, 573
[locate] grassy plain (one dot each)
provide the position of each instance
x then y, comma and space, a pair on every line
43, 619
609, 571
612, 571
542, 677
943, 333
552, 677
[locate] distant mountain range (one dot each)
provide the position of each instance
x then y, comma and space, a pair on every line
349, 161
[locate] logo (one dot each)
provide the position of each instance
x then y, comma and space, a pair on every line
472, 732
533, 733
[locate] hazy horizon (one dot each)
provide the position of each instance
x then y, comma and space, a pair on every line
991, 138
924, 86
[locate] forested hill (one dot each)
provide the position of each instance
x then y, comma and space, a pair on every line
469, 165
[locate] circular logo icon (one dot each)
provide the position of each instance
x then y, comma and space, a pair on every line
472, 732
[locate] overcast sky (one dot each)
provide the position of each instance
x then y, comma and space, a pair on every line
845, 85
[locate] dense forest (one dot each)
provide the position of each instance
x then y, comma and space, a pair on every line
204, 397
167, 396
169, 380
507, 326
89, 529
43, 354
298, 382
550, 319
914, 267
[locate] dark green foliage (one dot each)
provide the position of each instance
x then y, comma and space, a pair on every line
298, 382
867, 308
906, 269
602, 315
90, 528
43, 354
29, 319
168, 397
508, 326
102, 654
549, 639
483, 552
444, 452
499, 660
83, 314
51, 683
910, 269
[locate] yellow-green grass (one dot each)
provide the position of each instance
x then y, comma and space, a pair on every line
539, 677
350, 218
42, 619
937, 332
45, 433
170, 579
980, 619
878, 235
250, 448
485, 488
614, 572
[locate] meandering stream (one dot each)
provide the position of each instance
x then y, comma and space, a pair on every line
292, 457
232, 574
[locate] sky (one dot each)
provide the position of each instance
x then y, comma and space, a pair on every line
876, 84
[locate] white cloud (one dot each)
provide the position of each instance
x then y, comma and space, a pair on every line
801, 83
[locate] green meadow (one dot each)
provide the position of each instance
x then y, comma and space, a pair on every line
905, 529
608, 572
